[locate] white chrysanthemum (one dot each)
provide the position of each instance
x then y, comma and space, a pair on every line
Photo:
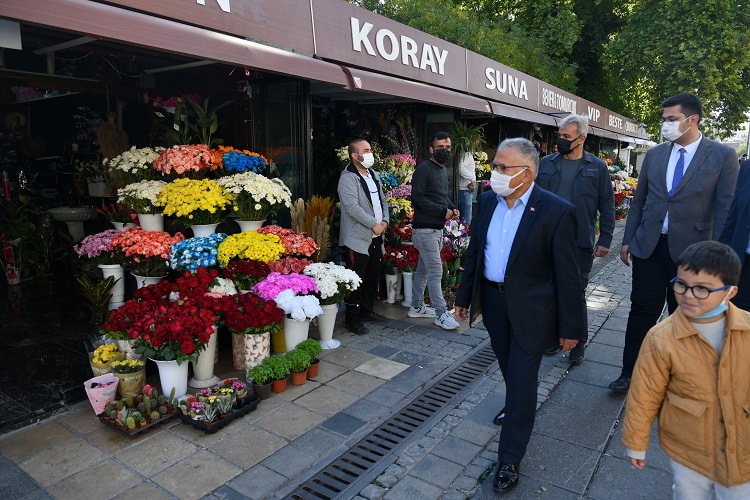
332, 279
141, 195
133, 159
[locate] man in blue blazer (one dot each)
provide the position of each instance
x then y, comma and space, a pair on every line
736, 233
521, 274
683, 196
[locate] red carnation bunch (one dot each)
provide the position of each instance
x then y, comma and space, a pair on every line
294, 244
246, 273
409, 259
246, 313
288, 265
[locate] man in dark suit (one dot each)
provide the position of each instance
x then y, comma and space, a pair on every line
683, 196
521, 271
736, 233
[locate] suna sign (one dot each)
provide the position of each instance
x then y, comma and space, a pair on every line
505, 83
391, 47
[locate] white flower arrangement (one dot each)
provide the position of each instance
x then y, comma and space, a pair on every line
333, 281
298, 307
257, 196
480, 157
141, 196
136, 164
222, 286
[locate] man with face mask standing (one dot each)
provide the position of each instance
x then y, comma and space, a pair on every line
519, 275
432, 207
683, 196
364, 218
583, 180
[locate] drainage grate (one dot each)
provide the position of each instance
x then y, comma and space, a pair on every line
334, 479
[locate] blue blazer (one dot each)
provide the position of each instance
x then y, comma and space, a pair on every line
736, 231
542, 281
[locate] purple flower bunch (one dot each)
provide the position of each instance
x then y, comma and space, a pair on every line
98, 247
402, 192
275, 283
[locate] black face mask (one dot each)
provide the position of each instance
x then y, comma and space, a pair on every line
563, 145
441, 156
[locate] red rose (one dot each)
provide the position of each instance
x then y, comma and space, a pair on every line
188, 347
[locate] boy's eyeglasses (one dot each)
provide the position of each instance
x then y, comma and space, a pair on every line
699, 291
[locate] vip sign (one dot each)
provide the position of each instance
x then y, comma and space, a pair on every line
391, 47
593, 113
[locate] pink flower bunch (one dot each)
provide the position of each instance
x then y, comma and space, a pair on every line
294, 244
402, 192
275, 283
287, 265
403, 160
146, 252
170, 102
185, 159
98, 247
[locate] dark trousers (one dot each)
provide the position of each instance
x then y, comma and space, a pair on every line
520, 371
651, 277
742, 299
585, 259
367, 266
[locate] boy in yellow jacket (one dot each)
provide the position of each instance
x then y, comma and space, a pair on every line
693, 371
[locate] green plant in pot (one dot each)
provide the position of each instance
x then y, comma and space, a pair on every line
97, 294
261, 376
299, 362
313, 349
279, 369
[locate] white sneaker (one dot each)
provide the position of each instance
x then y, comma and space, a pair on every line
422, 312
446, 321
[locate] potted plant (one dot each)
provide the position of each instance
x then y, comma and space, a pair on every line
97, 293
279, 367
119, 215
134, 165
192, 253
261, 377
313, 349
334, 282
141, 197
256, 195
252, 321
299, 362
250, 245
198, 203
145, 252
132, 375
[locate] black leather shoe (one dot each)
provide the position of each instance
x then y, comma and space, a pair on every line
374, 318
357, 328
622, 384
578, 353
551, 351
499, 418
506, 477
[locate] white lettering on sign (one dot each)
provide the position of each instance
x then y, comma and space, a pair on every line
615, 121
594, 113
389, 46
557, 101
505, 83
631, 128
223, 4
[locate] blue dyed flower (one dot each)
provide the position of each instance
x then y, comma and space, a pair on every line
193, 253
388, 180
236, 162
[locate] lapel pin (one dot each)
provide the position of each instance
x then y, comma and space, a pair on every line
531, 209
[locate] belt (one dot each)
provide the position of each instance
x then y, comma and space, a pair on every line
494, 284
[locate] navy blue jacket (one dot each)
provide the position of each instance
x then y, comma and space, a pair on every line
736, 231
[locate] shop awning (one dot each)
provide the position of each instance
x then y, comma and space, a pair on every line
604, 133
361, 80
526, 115
86, 17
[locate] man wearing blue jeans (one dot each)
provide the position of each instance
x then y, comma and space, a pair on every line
432, 207
467, 180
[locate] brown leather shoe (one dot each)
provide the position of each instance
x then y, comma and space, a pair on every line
506, 477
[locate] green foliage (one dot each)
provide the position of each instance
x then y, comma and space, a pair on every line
467, 138
311, 347
97, 293
299, 360
260, 374
279, 367
206, 121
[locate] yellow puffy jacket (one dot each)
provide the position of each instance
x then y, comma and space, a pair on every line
702, 401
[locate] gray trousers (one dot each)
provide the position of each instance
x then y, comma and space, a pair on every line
429, 270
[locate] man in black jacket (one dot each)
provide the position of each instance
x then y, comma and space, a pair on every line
432, 207
582, 179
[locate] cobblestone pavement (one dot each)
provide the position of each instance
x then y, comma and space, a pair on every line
574, 452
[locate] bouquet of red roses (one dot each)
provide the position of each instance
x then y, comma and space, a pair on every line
245, 273
390, 260
409, 259
294, 244
246, 313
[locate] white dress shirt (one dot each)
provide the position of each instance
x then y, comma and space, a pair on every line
690, 150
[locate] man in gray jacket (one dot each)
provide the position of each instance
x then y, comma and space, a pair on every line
582, 179
364, 218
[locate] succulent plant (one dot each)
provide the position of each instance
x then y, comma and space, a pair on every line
119, 405
147, 404
209, 413
122, 416
129, 401
130, 422
110, 407
141, 408
163, 410
113, 414
155, 415
224, 406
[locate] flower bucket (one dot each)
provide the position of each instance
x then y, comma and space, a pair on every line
116, 270
130, 383
326, 324
122, 226
172, 375
408, 283
391, 282
98, 189
103, 368
151, 222
144, 281
277, 342
203, 230
100, 396
295, 332
203, 369
256, 349
250, 225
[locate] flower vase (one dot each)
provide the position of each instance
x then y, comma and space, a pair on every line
295, 332
126, 346
203, 230
116, 270
238, 351
122, 226
151, 222
250, 225
256, 349
277, 342
408, 283
391, 281
143, 281
326, 323
399, 284
203, 368
172, 376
